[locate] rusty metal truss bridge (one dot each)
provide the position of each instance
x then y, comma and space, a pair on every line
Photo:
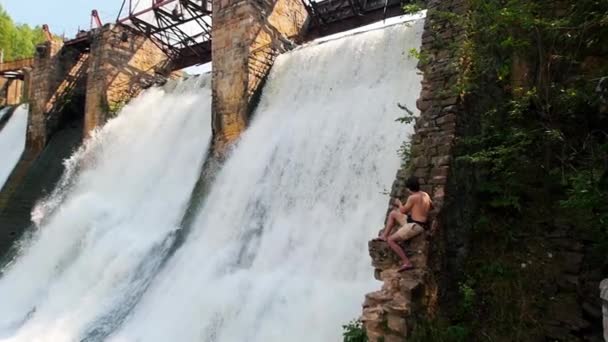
180, 28
332, 16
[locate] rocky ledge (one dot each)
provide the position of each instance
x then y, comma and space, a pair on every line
386, 312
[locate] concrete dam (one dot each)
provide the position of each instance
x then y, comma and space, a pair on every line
142, 204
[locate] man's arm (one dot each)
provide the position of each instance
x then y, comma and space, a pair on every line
405, 209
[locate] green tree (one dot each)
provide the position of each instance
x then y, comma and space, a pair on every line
18, 40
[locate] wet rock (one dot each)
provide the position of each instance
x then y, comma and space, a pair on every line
393, 338
397, 324
383, 257
375, 298
385, 312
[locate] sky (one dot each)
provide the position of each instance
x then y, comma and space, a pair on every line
62, 16
67, 16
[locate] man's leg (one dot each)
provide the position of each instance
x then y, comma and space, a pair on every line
407, 232
394, 217
393, 242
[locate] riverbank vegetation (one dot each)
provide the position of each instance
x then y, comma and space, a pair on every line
17, 40
534, 81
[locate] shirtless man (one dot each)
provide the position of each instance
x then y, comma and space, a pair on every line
412, 217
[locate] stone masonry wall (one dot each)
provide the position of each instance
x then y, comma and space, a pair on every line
43, 80
122, 63
3, 86
11, 91
247, 35
391, 313
57, 74
14, 92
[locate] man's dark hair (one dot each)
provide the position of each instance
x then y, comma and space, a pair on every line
413, 184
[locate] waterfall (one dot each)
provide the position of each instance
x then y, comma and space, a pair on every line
12, 141
278, 251
104, 231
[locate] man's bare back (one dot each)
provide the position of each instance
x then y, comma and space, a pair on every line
420, 204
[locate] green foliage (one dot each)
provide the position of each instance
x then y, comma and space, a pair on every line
408, 117
354, 332
588, 200
413, 7
540, 142
544, 132
439, 331
468, 296
404, 150
18, 40
115, 107
420, 56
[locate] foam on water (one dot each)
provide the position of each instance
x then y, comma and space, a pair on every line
107, 227
12, 141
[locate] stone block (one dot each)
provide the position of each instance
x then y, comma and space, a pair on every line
118, 70
393, 338
397, 324
440, 171
421, 161
244, 33
438, 192
441, 160
445, 119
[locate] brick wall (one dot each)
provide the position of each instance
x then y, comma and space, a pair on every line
11, 91
58, 75
44, 79
3, 86
122, 62
247, 35
391, 313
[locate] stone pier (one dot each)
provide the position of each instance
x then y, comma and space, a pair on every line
45, 79
405, 299
247, 35
11, 91
122, 63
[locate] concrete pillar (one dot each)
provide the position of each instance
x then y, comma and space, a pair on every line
44, 81
121, 61
57, 76
247, 35
27, 84
3, 86
14, 92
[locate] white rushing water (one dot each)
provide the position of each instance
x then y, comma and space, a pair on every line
279, 250
105, 231
12, 141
